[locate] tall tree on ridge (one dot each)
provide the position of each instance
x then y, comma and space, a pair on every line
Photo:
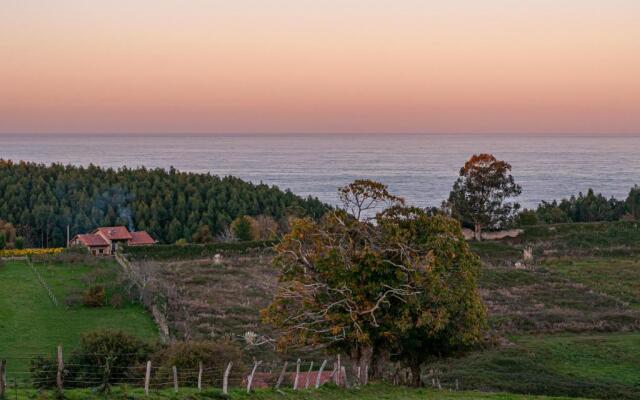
479, 195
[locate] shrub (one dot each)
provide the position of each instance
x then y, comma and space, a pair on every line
527, 218
94, 296
108, 357
242, 228
43, 372
186, 356
116, 300
19, 243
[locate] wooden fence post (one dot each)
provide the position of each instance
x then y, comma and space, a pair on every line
200, 377
344, 376
366, 374
281, 377
336, 377
3, 378
295, 381
175, 378
306, 383
319, 376
147, 378
253, 371
225, 379
59, 381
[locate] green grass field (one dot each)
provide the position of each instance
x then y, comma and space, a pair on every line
614, 276
371, 392
31, 324
603, 366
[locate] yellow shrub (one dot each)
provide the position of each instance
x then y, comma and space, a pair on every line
30, 252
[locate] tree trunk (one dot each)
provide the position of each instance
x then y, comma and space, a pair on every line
362, 357
380, 363
478, 232
416, 378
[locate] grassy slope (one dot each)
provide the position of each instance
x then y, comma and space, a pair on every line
30, 323
371, 392
615, 276
585, 280
598, 366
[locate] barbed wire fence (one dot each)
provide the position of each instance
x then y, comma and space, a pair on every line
224, 376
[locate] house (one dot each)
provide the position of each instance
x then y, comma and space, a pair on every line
106, 240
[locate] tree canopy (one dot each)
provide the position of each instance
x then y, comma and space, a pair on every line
40, 201
480, 195
402, 285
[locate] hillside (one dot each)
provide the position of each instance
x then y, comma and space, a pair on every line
580, 293
30, 323
42, 200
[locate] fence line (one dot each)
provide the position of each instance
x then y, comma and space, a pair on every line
60, 375
145, 376
44, 284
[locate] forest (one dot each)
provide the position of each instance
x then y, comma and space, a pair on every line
42, 200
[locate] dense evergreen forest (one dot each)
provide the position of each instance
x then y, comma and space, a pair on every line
42, 200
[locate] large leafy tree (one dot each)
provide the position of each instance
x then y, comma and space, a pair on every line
402, 284
480, 195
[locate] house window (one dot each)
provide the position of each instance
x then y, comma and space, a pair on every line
101, 251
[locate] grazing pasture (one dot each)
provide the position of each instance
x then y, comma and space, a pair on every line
30, 323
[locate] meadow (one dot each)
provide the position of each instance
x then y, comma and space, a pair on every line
30, 323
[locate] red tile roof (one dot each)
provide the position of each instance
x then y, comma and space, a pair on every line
114, 232
141, 237
92, 240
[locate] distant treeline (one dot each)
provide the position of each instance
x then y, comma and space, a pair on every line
590, 207
42, 200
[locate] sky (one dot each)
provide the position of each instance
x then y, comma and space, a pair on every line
209, 66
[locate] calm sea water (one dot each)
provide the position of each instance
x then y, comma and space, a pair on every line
421, 168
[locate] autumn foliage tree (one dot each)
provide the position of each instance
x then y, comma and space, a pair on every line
401, 285
480, 194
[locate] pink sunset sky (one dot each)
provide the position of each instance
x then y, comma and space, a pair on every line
195, 66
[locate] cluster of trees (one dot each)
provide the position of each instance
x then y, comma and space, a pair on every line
591, 207
41, 201
396, 284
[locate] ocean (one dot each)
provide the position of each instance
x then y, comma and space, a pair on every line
420, 168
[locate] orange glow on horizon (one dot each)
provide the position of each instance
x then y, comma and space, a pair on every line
301, 66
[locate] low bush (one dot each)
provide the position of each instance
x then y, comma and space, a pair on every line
94, 296
104, 357
116, 300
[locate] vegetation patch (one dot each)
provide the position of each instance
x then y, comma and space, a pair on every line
594, 366
371, 392
31, 324
617, 277
194, 251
